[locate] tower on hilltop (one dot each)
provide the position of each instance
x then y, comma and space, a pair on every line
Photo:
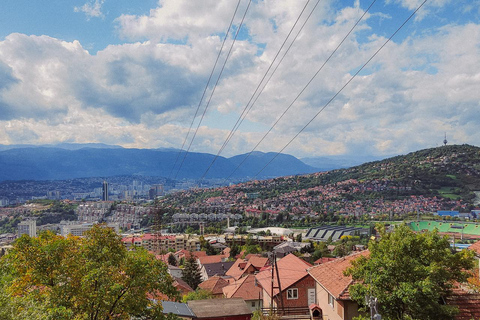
445, 140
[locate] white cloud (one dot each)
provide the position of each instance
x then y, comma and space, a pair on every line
92, 8
144, 94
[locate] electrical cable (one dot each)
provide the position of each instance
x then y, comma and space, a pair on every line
214, 87
206, 87
304, 88
343, 87
245, 111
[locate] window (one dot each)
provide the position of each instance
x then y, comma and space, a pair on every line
292, 293
253, 304
331, 300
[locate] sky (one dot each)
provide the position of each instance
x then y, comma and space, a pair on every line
133, 73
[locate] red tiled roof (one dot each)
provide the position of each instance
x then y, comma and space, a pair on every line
330, 275
323, 260
210, 259
214, 284
258, 262
475, 247
468, 304
244, 288
236, 270
291, 269
186, 253
181, 285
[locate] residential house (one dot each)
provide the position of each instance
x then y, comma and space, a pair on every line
215, 269
250, 265
181, 286
288, 247
247, 289
331, 288
296, 287
185, 254
175, 271
215, 285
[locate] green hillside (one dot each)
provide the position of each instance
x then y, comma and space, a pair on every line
442, 178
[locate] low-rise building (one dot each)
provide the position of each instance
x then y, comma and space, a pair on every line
296, 288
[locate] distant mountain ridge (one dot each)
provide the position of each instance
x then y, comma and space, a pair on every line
69, 161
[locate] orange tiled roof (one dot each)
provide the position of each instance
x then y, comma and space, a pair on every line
186, 253
210, 259
236, 270
214, 284
330, 275
291, 269
475, 247
244, 288
468, 304
258, 262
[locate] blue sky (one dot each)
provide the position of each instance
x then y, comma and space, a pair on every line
131, 73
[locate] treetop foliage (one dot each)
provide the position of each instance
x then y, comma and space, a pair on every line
94, 277
410, 274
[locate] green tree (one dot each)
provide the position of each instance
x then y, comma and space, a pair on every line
171, 260
191, 272
83, 278
234, 250
409, 274
199, 294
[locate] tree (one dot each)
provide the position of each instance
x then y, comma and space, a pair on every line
409, 274
84, 278
191, 272
199, 294
171, 260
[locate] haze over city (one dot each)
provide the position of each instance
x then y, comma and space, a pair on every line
133, 74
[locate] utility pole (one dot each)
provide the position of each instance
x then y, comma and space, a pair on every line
279, 286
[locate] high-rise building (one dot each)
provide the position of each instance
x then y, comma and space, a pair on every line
155, 191
105, 191
27, 227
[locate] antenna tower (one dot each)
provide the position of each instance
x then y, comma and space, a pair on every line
445, 140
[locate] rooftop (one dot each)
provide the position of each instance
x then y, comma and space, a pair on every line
330, 275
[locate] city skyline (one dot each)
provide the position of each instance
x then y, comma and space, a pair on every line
113, 72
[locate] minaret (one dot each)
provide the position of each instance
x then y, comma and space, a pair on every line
445, 140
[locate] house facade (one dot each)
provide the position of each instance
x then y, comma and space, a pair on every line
331, 287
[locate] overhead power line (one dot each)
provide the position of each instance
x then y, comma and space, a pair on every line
214, 87
247, 109
343, 87
206, 87
301, 92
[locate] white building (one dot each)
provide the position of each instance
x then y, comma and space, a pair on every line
79, 229
27, 227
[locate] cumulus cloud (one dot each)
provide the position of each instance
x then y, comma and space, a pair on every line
92, 8
144, 94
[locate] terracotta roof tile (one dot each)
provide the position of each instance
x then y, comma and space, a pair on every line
291, 269
244, 288
468, 304
215, 284
330, 275
258, 262
210, 259
475, 247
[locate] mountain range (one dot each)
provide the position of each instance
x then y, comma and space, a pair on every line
69, 161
